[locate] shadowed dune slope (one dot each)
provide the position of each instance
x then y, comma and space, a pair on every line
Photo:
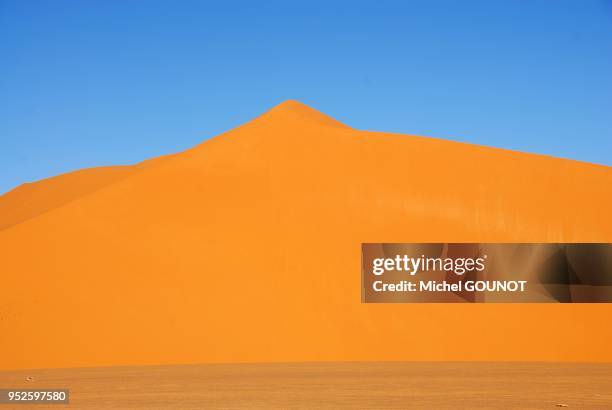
246, 248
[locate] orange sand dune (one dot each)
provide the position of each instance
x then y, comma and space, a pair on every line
32, 199
246, 248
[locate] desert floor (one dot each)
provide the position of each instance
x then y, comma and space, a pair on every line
328, 385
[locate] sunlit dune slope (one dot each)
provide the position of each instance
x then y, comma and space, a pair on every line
32, 199
246, 248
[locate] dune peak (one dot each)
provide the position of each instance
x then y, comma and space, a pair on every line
293, 110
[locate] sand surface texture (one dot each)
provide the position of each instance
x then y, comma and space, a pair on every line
330, 385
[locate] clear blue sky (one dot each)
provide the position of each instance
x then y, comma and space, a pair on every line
88, 83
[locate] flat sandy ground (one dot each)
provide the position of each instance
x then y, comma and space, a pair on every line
397, 385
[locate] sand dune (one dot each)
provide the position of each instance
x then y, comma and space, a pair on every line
32, 199
246, 249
